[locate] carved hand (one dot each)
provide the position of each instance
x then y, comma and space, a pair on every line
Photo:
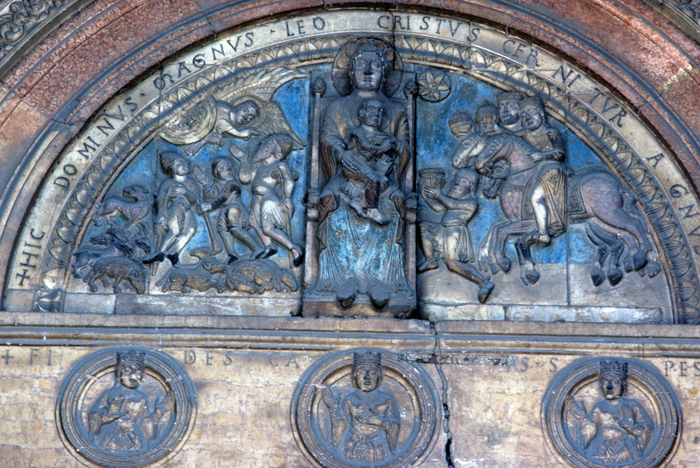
165, 404
108, 418
203, 208
289, 206
248, 134
430, 192
573, 407
349, 161
535, 157
388, 144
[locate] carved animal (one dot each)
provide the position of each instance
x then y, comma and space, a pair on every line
133, 211
185, 278
601, 199
258, 276
119, 268
114, 243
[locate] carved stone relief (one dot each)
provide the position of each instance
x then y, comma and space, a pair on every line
603, 412
365, 407
350, 173
123, 407
366, 164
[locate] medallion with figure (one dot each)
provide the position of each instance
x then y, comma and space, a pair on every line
605, 412
365, 407
137, 408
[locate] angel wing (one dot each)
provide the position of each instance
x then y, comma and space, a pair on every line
274, 121
262, 84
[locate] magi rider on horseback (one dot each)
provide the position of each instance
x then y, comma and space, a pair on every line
547, 189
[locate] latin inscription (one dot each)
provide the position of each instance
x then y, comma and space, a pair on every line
464, 32
28, 259
521, 51
104, 126
25, 357
226, 358
682, 368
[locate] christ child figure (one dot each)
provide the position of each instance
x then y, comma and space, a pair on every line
368, 175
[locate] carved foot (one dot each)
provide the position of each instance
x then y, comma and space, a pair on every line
628, 264
614, 276
379, 297
159, 257
427, 265
298, 252
485, 290
347, 294
269, 251
597, 276
174, 258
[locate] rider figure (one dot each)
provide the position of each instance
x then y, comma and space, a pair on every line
548, 189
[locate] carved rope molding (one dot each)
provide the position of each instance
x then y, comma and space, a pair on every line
609, 145
24, 22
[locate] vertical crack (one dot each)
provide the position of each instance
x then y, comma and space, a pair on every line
443, 397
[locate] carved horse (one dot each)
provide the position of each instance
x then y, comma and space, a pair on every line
594, 196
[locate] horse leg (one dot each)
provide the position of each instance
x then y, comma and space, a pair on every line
528, 273
616, 248
516, 228
489, 257
618, 219
651, 268
597, 275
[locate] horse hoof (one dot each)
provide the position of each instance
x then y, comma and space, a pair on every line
614, 276
494, 268
530, 277
640, 262
653, 268
627, 262
597, 276
505, 263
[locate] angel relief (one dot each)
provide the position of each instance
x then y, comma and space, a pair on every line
223, 168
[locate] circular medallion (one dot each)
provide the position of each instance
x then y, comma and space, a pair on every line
433, 85
605, 412
126, 407
367, 408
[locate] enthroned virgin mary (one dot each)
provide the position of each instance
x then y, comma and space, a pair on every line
360, 255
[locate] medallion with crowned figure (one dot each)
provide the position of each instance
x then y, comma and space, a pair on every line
365, 407
126, 407
611, 412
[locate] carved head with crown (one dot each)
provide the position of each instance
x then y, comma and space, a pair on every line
367, 371
612, 379
130, 369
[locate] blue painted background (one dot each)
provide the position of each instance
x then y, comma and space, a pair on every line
436, 145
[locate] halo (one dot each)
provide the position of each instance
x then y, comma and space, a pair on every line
341, 65
192, 124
